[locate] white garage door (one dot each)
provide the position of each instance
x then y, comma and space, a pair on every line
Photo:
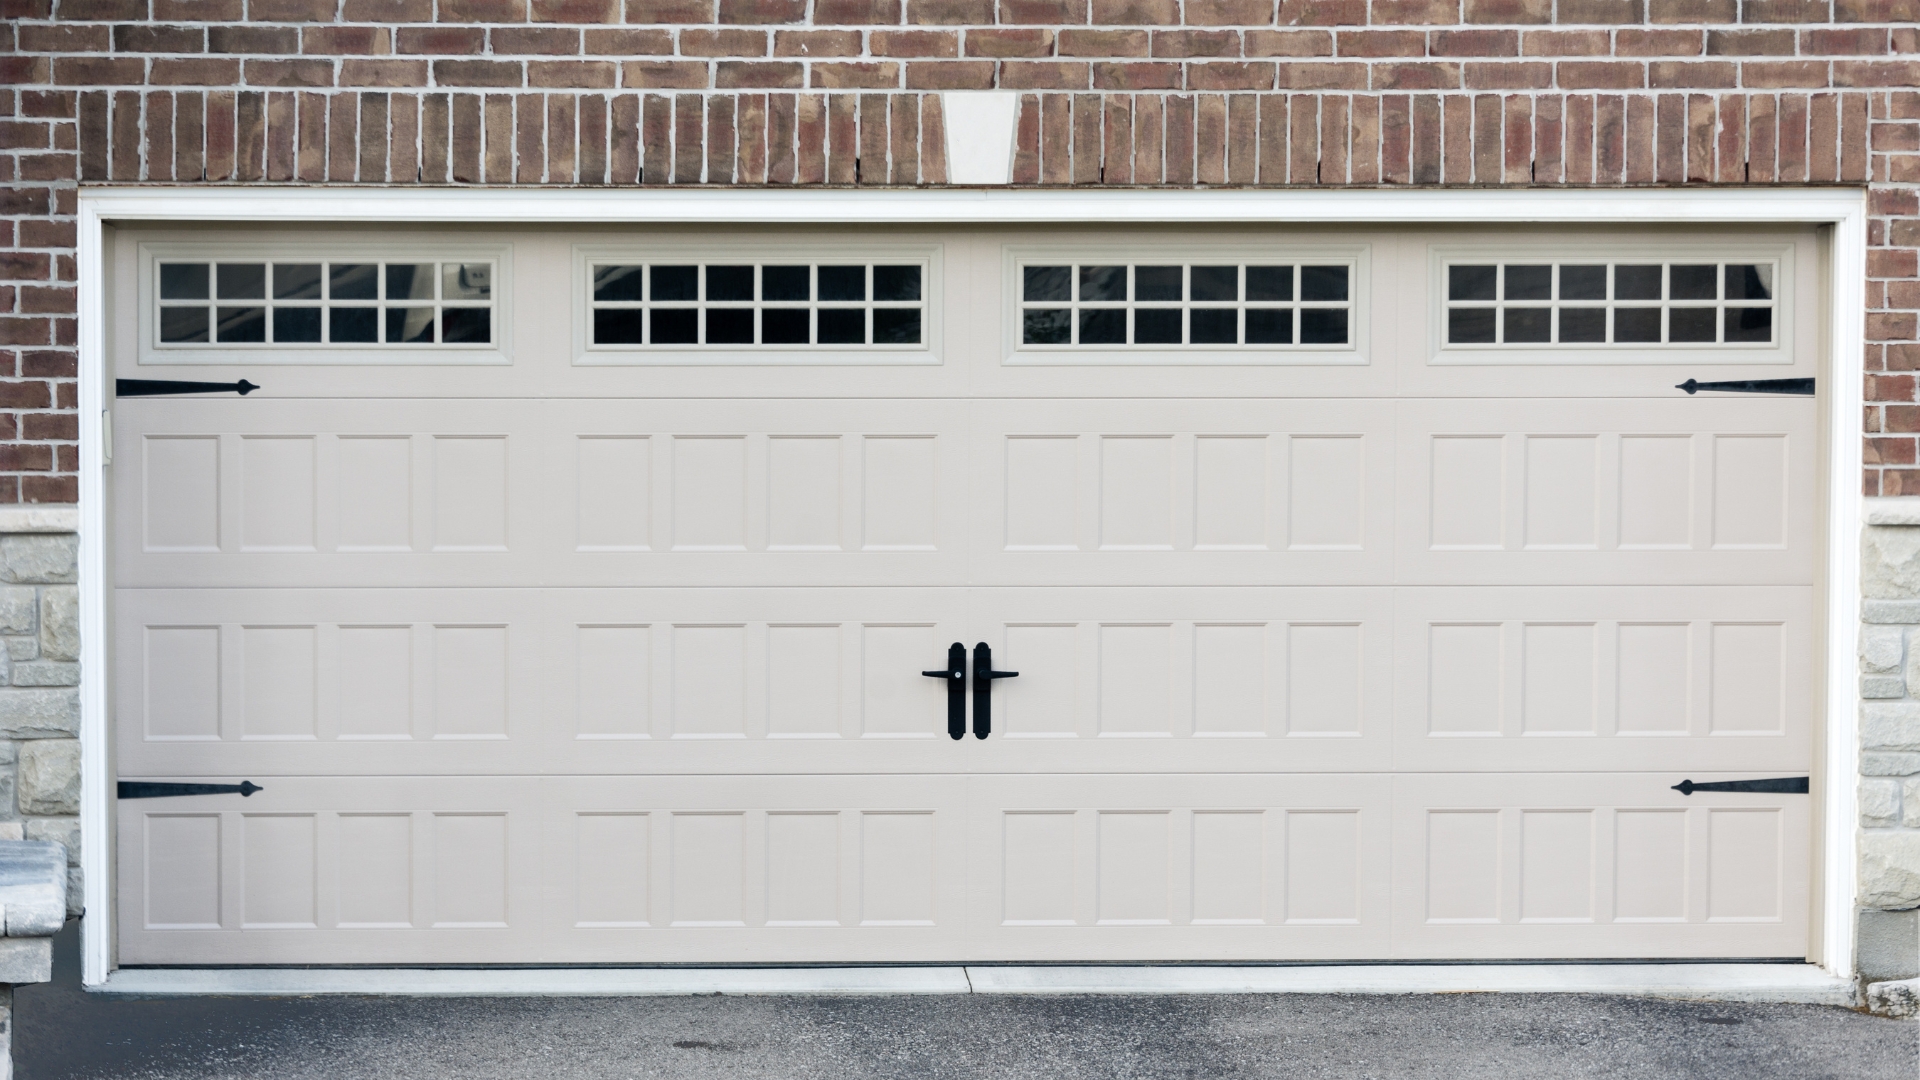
569, 595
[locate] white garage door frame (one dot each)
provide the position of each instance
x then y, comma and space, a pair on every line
1842, 209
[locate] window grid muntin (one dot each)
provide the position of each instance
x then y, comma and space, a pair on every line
439, 303
1240, 306
1720, 304
813, 306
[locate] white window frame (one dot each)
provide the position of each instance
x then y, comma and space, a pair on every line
1836, 778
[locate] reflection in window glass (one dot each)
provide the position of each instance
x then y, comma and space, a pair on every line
1597, 304
323, 303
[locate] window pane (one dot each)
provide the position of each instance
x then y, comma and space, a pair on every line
729, 283
1583, 324
841, 326
673, 326
896, 326
1694, 283
1636, 283
675, 283
296, 281
728, 326
183, 281
1471, 283
1469, 326
1270, 283
1103, 283
1156, 326
466, 281
353, 281
1323, 327
1216, 282
843, 283
1636, 324
618, 326
243, 281
1103, 326
786, 326
1750, 324
1529, 325
466, 324
1691, 324
896, 283
409, 281
1046, 283
1157, 283
617, 283
1529, 283
1583, 283
359, 325
786, 283
1322, 283
1215, 326
183, 324
1048, 326
293, 325
1269, 326
1748, 282
410, 325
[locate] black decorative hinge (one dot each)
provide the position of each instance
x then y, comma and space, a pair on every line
139, 789
160, 387
1785, 785
1798, 387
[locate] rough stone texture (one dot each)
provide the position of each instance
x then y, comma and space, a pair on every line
39, 714
18, 610
50, 776
1899, 1000
1890, 726
60, 623
49, 673
1879, 804
1874, 687
33, 887
39, 558
1890, 869
1881, 649
1889, 937
1889, 944
1890, 563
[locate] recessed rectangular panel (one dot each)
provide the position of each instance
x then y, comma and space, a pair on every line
1327, 490
896, 869
803, 681
379, 891
1136, 673
709, 869
1749, 678
375, 687
182, 493
1230, 493
183, 871
470, 682
1656, 492
277, 871
612, 864
1042, 483
1048, 701
1229, 680
1561, 496
1323, 680
899, 493
1750, 491
615, 481
183, 682
896, 700
1558, 664
376, 493
1323, 866
1467, 497
1136, 493
710, 493
1463, 679
1743, 865
279, 696
470, 870
615, 681
276, 494
803, 869
1655, 692
1650, 866
1037, 870
709, 682
1229, 866
1556, 866
469, 493
1134, 883
1463, 866
803, 493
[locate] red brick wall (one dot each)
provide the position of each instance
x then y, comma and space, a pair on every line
807, 92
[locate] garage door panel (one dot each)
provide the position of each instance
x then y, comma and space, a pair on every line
1578, 679
1596, 866
1597, 492
1145, 868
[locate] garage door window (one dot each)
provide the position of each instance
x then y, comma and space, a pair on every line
1599, 304
733, 305
1208, 305
320, 303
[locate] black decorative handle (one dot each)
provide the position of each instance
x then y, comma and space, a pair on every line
136, 789
1797, 387
983, 676
1784, 785
956, 675
162, 387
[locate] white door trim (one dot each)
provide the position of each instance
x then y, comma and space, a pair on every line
1842, 208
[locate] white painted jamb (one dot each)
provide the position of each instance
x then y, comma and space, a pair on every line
1844, 209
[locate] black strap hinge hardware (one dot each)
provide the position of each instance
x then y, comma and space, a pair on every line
1797, 387
1784, 785
162, 387
140, 789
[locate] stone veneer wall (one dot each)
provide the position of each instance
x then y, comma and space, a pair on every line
1889, 895
39, 682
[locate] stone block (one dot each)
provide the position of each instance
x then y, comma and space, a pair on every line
76, 896
26, 960
18, 608
64, 831
60, 623
1898, 1000
1909, 805
1890, 726
1890, 870
50, 777
1879, 804
41, 714
60, 673
1882, 648
1872, 687
1890, 612
46, 558
1888, 945
23, 648
1890, 562
1883, 764
33, 887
